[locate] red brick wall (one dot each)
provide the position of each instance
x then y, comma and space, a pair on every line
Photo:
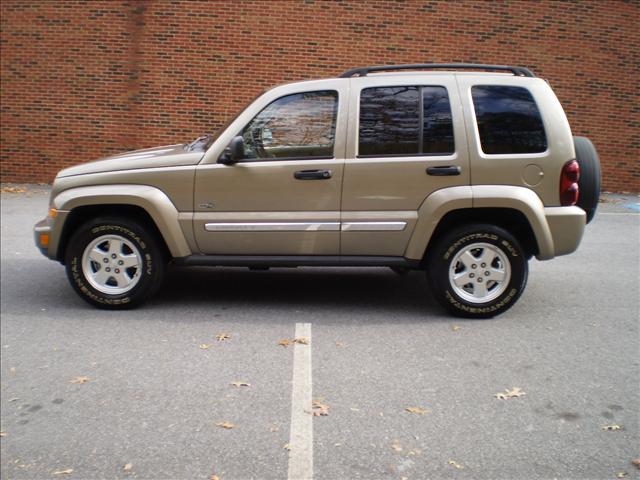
82, 79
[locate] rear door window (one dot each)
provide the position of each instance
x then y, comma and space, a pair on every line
508, 120
405, 120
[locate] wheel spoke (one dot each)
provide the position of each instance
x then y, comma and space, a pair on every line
101, 276
462, 279
97, 255
496, 275
480, 290
467, 259
115, 246
122, 279
129, 261
487, 256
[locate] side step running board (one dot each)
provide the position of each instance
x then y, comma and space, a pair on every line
295, 261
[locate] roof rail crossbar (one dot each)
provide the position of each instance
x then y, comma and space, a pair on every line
363, 71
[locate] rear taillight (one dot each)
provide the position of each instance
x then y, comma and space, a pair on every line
569, 190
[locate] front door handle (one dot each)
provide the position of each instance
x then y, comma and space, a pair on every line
312, 174
444, 171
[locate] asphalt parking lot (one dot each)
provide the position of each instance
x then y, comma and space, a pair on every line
146, 394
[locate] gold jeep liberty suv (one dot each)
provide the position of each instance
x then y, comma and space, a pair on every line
465, 171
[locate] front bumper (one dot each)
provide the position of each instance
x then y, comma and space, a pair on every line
42, 234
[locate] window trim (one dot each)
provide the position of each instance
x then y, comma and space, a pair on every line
481, 152
419, 86
336, 110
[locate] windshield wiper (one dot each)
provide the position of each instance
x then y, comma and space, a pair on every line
200, 140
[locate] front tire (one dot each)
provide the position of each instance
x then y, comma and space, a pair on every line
477, 271
114, 263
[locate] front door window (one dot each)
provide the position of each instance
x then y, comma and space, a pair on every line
298, 126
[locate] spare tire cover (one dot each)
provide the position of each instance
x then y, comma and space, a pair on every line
589, 183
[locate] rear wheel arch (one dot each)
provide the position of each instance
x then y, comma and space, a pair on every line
513, 221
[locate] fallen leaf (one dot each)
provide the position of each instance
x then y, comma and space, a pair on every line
455, 328
3, 434
612, 427
455, 464
396, 446
79, 380
285, 342
636, 462
339, 344
222, 337
417, 410
240, 384
227, 425
319, 409
13, 190
63, 472
514, 392
127, 467
301, 340
287, 446
214, 477
275, 428
622, 474
205, 346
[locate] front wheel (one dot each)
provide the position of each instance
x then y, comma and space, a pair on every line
114, 263
477, 271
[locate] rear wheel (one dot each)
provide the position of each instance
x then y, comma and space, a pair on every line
477, 271
114, 263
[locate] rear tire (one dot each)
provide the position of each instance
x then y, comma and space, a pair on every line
477, 271
590, 176
114, 263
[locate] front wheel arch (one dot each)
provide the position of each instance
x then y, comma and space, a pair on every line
80, 215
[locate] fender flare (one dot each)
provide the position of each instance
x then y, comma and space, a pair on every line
446, 200
153, 200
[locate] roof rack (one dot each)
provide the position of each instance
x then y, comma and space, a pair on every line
363, 71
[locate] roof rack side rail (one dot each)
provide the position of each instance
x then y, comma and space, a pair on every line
363, 71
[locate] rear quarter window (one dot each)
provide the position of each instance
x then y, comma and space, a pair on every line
508, 120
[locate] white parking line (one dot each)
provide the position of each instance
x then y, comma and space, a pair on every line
620, 213
301, 436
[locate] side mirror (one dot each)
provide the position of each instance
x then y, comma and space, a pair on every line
234, 152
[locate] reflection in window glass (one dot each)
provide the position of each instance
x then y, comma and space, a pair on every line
301, 125
508, 120
390, 121
437, 137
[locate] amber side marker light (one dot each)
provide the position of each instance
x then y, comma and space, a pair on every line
53, 213
44, 239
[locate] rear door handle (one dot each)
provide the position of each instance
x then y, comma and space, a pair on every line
312, 174
444, 171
